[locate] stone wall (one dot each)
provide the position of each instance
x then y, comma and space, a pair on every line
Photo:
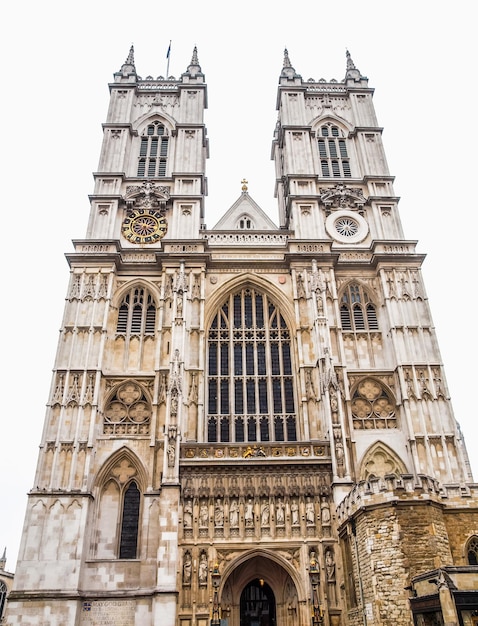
400, 528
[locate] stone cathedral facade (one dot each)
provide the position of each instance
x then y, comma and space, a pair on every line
248, 425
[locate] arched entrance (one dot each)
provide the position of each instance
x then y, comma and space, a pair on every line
258, 605
260, 588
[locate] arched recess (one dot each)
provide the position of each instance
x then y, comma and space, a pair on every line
152, 146
373, 405
380, 460
255, 281
119, 294
142, 122
132, 324
275, 572
127, 409
335, 148
358, 307
321, 120
251, 373
118, 490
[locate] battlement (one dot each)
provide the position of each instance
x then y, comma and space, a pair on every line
392, 488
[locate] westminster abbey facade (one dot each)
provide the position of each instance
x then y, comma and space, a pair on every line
248, 425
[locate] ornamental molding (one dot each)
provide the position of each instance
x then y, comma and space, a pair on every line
148, 195
342, 197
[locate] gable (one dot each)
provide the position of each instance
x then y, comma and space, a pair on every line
245, 214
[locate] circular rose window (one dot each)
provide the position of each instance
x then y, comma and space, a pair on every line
346, 226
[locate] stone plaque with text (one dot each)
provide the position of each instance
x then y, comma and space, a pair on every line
107, 613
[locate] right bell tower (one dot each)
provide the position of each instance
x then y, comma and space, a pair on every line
374, 324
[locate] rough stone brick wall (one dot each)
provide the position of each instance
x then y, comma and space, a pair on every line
381, 568
424, 536
404, 528
460, 525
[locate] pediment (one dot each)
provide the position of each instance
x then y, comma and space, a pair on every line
245, 214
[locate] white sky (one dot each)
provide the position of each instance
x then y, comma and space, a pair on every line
58, 58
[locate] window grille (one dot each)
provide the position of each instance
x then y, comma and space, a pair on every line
130, 522
357, 312
334, 158
153, 152
250, 382
137, 313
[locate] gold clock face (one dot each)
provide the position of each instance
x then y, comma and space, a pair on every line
144, 226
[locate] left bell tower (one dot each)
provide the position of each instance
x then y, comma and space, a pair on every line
151, 180
100, 535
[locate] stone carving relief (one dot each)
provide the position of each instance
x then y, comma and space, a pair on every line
128, 411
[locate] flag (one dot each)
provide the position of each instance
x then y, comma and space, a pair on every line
169, 51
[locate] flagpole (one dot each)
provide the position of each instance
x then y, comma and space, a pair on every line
168, 54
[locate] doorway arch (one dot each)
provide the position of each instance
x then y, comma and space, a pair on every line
271, 586
257, 606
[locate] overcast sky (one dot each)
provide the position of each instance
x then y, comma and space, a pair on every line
58, 58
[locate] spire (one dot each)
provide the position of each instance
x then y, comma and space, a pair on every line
194, 69
130, 59
128, 68
352, 72
287, 62
287, 70
194, 59
3, 560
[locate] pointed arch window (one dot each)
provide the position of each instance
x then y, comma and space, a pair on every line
137, 313
153, 152
119, 513
250, 381
472, 551
357, 312
3, 598
334, 158
130, 522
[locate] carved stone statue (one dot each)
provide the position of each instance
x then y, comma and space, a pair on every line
187, 569
249, 513
279, 512
202, 570
188, 514
310, 512
203, 514
219, 513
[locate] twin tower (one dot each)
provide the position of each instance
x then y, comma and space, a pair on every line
247, 425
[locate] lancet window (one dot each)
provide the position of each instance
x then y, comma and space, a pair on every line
153, 152
334, 158
357, 312
250, 382
129, 522
137, 314
118, 519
